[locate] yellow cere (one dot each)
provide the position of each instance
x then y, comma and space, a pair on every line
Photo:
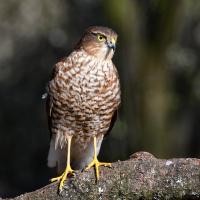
113, 40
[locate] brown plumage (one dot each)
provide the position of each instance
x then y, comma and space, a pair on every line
82, 102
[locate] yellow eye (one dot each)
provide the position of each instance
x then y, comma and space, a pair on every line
100, 38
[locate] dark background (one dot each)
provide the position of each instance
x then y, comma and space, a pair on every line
158, 61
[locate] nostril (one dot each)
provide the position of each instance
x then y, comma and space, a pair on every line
111, 45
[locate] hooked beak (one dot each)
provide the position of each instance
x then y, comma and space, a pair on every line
111, 44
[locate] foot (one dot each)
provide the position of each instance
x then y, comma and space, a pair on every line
96, 164
63, 177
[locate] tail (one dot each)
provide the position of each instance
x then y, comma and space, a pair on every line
80, 157
57, 157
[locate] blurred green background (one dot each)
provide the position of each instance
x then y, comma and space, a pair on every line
158, 58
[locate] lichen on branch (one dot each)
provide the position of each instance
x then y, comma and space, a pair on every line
141, 177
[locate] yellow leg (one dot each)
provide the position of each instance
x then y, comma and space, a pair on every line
68, 169
95, 161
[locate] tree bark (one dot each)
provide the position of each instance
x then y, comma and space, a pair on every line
141, 177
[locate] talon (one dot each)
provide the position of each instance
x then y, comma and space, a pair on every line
56, 178
96, 163
68, 169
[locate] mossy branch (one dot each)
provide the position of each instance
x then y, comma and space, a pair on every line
141, 177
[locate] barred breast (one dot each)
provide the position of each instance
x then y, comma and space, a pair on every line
83, 96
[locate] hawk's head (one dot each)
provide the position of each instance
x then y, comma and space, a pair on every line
99, 41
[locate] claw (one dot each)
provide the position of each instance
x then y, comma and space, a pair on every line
63, 177
96, 163
68, 169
